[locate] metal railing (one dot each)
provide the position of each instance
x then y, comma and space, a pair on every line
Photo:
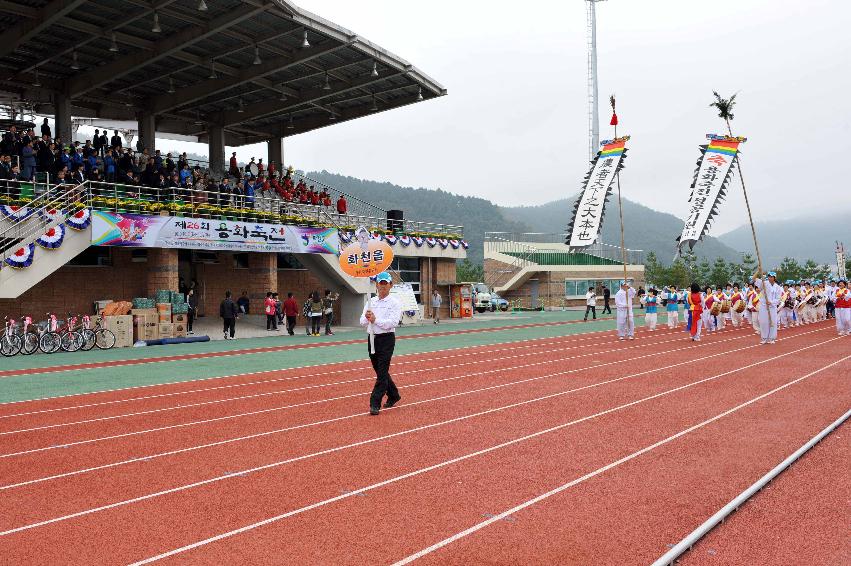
521, 253
356, 206
503, 242
60, 198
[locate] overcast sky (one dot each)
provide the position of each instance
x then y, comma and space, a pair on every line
513, 128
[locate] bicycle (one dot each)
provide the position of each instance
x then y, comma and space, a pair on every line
101, 337
29, 337
69, 339
50, 341
10, 342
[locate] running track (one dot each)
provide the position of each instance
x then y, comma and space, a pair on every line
570, 450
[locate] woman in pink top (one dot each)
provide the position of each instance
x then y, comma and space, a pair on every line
269, 306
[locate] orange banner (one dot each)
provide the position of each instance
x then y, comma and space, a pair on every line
366, 259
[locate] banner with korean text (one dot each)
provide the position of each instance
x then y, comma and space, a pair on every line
709, 186
588, 211
143, 231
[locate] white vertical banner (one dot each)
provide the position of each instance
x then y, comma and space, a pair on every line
589, 209
709, 187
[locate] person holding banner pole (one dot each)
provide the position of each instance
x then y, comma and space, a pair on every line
771, 293
381, 315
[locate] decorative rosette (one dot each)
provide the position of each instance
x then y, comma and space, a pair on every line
345, 236
455, 244
391, 239
52, 214
405, 240
52, 239
80, 220
431, 242
444, 243
16, 213
22, 257
411, 313
378, 235
418, 241
464, 244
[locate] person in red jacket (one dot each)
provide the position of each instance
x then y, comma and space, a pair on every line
342, 205
695, 307
269, 308
291, 312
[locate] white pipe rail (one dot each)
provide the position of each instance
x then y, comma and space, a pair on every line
685, 545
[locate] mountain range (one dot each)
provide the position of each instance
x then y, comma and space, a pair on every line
800, 238
646, 229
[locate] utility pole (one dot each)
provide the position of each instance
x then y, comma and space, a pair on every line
593, 99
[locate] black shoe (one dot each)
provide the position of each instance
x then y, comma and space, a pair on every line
390, 402
373, 411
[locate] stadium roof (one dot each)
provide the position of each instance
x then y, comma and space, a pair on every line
239, 63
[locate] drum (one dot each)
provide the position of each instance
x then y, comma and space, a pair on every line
739, 307
725, 306
716, 308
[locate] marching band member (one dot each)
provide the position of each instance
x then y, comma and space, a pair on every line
720, 298
650, 302
806, 304
735, 297
694, 303
672, 307
821, 309
623, 304
830, 291
796, 312
753, 307
708, 300
842, 305
728, 294
771, 293
786, 306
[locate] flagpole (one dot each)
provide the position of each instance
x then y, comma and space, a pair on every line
614, 122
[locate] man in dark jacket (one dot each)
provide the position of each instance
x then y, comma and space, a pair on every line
607, 295
229, 313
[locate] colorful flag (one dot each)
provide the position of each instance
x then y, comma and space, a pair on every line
709, 186
588, 211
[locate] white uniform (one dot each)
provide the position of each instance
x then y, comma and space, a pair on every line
843, 313
623, 304
768, 309
673, 315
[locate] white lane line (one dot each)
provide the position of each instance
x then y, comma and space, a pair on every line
287, 407
166, 384
466, 352
350, 369
259, 350
149, 457
598, 471
332, 384
380, 438
485, 451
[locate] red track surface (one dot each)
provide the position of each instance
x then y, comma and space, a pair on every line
457, 451
804, 513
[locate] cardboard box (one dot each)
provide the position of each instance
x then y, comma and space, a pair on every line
179, 329
120, 323
146, 327
166, 330
123, 338
143, 312
164, 317
182, 318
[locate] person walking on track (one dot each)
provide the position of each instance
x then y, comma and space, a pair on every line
229, 313
380, 316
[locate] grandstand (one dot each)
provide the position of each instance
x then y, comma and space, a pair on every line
539, 270
224, 73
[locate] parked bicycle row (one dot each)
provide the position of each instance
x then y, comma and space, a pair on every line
53, 335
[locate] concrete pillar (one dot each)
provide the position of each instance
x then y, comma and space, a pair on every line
62, 118
276, 152
262, 276
147, 129
216, 150
161, 270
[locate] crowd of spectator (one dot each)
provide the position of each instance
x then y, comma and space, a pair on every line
105, 161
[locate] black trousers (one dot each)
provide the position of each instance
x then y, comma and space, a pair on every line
592, 310
190, 319
606, 307
315, 324
384, 344
271, 322
229, 326
291, 325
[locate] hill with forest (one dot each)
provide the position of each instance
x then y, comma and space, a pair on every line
800, 239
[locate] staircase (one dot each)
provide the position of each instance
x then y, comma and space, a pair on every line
17, 234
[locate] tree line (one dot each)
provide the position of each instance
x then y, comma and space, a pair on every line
687, 268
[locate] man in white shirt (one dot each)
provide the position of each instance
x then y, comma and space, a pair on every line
768, 307
381, 315
590, 303
623, 304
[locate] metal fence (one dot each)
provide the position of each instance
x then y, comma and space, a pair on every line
514, 243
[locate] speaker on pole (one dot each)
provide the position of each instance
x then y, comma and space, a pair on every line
395, 220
